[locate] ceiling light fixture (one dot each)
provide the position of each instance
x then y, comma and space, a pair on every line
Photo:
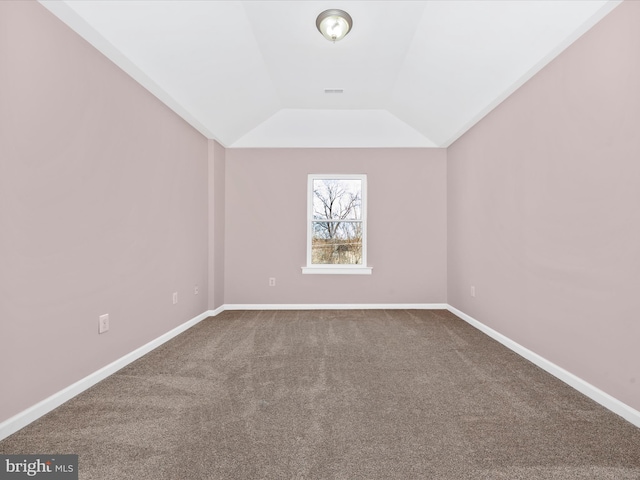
334, 24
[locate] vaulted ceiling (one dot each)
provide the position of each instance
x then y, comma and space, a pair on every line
254, 73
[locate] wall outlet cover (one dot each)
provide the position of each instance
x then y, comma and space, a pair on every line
103, 323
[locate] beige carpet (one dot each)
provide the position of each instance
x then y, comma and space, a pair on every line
358, 394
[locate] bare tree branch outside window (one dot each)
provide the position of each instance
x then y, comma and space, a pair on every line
337, 222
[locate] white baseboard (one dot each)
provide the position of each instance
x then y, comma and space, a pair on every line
337, 306
217, 311
616, 406
24, 418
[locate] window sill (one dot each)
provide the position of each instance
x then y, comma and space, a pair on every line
335, 270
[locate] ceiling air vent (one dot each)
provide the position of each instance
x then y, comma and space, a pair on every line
333, 90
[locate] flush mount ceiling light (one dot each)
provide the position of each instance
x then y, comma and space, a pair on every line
334, 24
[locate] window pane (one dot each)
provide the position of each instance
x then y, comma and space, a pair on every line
337, 199
337, 243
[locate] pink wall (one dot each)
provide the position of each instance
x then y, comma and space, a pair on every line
544, 211
266, 201
103, 209
217, 156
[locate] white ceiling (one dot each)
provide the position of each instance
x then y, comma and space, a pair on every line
253, 73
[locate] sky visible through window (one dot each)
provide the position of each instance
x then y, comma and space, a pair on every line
337, 221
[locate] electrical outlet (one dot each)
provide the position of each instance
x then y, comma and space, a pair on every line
195, 290
175, 297
103, 323
473, 291
272, 281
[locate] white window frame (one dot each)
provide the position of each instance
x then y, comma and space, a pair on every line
330, 269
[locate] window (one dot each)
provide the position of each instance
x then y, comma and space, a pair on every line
337, 224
